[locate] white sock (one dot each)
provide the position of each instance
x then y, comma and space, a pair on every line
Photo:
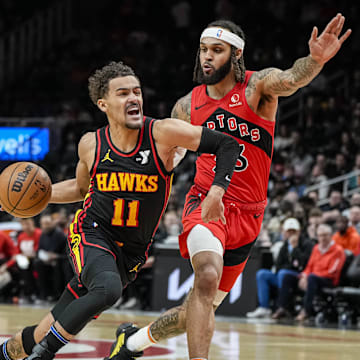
141, 340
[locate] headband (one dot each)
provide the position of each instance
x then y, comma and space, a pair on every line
222, 34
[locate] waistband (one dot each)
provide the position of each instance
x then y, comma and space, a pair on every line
257, 206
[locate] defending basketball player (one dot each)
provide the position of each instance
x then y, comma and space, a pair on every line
243, 105
124, 176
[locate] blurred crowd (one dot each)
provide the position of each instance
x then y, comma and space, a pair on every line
317, 143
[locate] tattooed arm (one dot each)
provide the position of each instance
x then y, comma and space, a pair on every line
182, 108
274, 82
284, 83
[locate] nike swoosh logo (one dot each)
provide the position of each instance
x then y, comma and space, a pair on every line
256, 216
199, 107
227, 177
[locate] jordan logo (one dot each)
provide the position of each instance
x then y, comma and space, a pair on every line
107, 157
135, 268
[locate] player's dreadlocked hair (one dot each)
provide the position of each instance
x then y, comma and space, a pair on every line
99, 81
239, 65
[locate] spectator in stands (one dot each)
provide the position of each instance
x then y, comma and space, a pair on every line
172, 227
7, 262
338, 168
318, 177
283, 139
291, 259
61, 220
354, 201
27, 246
347, 146
346, 236
354, 217
314, 220
322, 270
333, 209
50, 260
321, 161
314, 195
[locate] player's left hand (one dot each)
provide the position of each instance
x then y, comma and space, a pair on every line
324, 47
212, 208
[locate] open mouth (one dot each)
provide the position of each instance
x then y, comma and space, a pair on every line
133, 110
208, 69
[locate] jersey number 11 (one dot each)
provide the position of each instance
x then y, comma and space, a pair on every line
118, 217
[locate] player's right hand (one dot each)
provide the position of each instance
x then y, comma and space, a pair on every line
212, 208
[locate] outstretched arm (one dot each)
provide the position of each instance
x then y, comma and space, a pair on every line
171, 133
275, 82
74, 190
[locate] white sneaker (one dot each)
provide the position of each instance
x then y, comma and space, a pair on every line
260, 312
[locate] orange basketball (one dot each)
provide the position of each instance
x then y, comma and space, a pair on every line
25, 189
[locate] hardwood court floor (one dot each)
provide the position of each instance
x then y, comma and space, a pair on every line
234, 338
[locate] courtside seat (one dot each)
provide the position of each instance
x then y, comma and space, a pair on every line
342, 303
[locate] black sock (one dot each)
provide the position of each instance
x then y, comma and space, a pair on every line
55, 340
3, 352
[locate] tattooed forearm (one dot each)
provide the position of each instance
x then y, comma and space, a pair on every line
15, 349
182, 108
287, 82
171, 323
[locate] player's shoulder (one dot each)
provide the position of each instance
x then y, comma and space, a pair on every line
87, 144
88, 139
260, 75
185, 101
182, 108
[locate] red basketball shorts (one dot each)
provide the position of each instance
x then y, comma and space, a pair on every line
243, 223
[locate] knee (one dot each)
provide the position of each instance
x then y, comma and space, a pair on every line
282, 272
207, 280
261, 274
107, 286
113, 288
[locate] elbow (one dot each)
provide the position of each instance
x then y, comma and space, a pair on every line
83, 193
233, 145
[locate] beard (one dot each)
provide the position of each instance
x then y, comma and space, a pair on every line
217, 75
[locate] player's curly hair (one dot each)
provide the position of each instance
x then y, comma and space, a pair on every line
99, 81
239, 65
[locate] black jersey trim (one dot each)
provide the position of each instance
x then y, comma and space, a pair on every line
119, 152
168, 186
159, 164
97, 154
234, 257
264, 139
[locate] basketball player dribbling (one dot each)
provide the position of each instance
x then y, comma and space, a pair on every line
243, 105
124, 176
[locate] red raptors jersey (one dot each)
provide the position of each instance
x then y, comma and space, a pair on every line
233, 116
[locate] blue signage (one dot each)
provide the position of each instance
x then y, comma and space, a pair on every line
23, 143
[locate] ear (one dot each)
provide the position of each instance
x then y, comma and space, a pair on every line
101, 103
238, 53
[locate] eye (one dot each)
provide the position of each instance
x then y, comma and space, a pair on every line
203, 49
218, 50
